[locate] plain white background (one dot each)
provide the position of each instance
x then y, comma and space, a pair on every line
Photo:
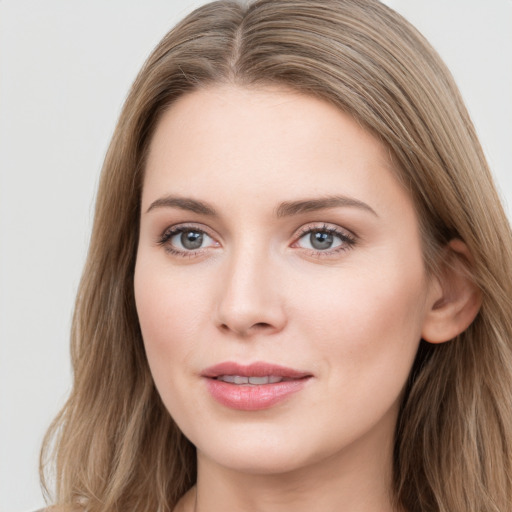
65, 69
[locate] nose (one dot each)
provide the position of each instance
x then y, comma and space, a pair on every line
250, 299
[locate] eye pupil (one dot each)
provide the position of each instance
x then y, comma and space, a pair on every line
191, 239
321, 240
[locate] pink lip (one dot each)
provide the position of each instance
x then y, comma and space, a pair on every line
253, 397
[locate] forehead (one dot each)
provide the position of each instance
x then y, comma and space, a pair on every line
223, 115
261, 143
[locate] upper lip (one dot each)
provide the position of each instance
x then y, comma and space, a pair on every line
258, 369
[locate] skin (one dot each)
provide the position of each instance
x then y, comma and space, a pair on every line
351, 316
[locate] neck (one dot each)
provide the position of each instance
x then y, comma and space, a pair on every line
356, 479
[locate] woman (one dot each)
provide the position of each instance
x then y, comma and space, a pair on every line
298, 289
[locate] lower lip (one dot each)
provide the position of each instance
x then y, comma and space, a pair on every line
253, 397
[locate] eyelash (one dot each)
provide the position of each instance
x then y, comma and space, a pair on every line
166, 236
348, 240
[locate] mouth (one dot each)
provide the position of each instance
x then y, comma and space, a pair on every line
253, 387
232, 370
241, 380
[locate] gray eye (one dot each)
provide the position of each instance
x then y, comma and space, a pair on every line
321, 240
190, 240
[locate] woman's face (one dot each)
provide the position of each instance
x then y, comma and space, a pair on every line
279, 281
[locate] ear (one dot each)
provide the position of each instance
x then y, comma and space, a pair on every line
454, 299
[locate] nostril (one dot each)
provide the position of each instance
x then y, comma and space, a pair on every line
261, 325
245, 331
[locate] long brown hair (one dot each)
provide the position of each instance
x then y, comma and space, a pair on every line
114, 445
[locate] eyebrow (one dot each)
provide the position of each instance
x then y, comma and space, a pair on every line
184, 203
285, 209
289, 208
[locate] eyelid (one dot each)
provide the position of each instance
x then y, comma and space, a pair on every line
348, 238
171, 231
324, 226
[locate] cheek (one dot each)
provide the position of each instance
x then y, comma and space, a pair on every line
365, 322
170, 314
363, 332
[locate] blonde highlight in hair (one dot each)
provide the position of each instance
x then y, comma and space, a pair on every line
114, 447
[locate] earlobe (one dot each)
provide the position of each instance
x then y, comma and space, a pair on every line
455, 299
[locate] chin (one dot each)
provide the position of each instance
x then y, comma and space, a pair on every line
259, 460
259, 452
